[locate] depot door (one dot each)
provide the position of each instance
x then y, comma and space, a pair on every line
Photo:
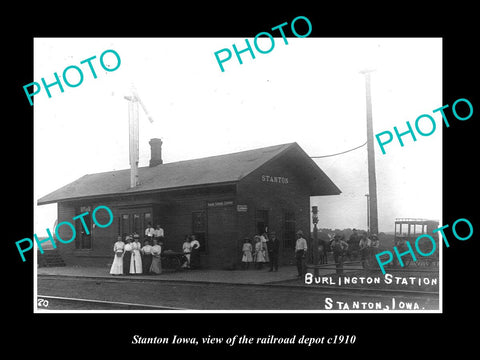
134, 221
261, 221
222, 237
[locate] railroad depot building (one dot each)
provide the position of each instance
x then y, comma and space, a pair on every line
221, 199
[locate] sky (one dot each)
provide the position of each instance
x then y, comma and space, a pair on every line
309, 91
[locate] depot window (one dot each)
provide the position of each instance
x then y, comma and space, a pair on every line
199, 229
289, 225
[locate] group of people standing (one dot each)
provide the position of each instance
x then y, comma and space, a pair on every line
361, 244
191, 251
265, 249
133, 257
357, 244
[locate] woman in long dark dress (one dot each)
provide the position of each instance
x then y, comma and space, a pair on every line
127, 255
156, 266
195, 253
146, 256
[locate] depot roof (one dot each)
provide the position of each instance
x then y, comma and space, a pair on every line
214, 170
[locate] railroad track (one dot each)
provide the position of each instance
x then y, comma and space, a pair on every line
46, 302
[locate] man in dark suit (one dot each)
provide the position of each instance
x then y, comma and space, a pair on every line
273, 249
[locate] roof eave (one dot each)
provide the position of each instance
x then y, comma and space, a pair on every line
137, 192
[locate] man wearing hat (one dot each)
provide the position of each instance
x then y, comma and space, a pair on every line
300, 253
374, 243
273, 249
339, 247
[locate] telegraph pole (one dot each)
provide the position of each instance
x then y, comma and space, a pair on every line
368, 214
372, 182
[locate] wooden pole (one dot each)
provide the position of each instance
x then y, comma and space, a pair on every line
133, 135
368, 214
372, 182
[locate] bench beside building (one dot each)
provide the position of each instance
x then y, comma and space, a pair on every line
221, 199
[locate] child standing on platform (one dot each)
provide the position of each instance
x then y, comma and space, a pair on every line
247, 257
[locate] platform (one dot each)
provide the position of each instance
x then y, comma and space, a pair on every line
285, 274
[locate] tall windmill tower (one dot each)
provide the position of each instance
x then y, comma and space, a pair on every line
133, 131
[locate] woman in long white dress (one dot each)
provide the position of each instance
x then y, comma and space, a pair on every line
259, 253
117, 265
264, 240
136, 261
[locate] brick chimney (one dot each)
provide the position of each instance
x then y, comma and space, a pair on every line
156, 152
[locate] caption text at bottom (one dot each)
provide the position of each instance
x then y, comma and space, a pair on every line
246, 340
